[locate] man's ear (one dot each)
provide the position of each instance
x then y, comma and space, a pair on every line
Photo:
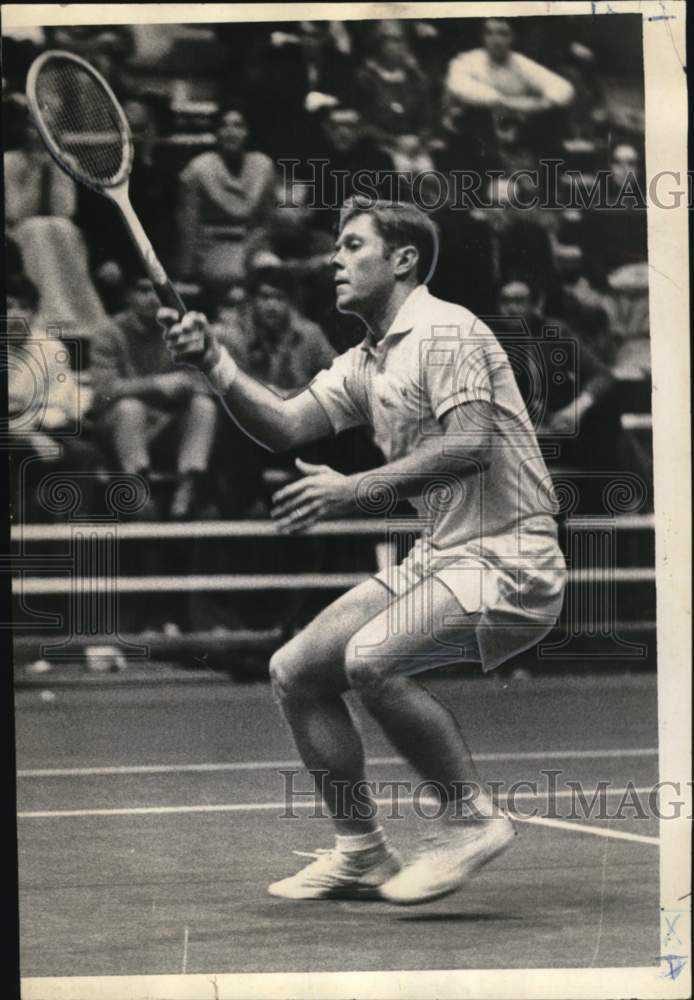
405, 260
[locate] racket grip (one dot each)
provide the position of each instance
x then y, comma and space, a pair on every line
169, 297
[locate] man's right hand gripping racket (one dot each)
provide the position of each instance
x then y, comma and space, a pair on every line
87, 133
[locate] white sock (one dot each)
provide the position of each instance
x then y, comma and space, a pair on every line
351, 843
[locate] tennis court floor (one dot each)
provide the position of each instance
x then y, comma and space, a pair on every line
149, 826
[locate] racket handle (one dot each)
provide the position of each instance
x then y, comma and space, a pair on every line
168, 296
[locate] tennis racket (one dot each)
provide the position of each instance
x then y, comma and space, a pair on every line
87, 133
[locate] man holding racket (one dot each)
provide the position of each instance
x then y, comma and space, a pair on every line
484, 581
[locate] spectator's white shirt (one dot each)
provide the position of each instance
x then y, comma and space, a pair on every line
477, 80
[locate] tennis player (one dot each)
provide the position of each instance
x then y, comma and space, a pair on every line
484, 581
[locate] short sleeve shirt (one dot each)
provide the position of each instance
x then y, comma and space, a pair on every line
435, 357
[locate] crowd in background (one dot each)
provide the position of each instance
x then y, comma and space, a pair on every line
213, 110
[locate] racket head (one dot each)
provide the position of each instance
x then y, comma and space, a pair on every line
80, 120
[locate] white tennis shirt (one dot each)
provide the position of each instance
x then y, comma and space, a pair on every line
437, 356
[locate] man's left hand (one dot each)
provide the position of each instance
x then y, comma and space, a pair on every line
321, 494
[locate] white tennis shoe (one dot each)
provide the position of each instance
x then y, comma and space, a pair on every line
449, 858
340, 874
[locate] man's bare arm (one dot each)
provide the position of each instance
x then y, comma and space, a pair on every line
461, 451
271, 420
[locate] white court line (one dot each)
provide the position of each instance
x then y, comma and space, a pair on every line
559, 824
261, 765
184, 960
231, 807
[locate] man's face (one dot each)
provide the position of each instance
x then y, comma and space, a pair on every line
515, 303
144, 302
232, 133
363, 268
271, 308
497, 39
342, 128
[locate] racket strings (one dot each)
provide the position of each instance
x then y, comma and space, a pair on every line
83, 122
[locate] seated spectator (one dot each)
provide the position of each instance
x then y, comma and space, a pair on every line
150, 411
271, 340
391, 91
40, 202
296, 73
292, 238
617, 248
225, 195
576, 301
629, 319
484, 248
570, 394
43, 408
587, 118
616, 235
340, 139
495, 80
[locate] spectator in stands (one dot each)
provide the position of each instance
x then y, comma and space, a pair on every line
297, 73
339, 138
616, 234
40, 202
493, 80
271, 340
570, 393
575, 301
225, 195
486, 247
293, 238
617, 248
150, 411
587, 117
34, 184
391, 90
43, 408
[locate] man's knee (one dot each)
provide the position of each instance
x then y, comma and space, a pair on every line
127, 407
287, 671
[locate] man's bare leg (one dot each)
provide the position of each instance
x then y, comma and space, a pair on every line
425, 732
309, 682
470, 833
